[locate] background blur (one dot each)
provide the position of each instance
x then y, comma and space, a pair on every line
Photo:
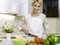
22, 8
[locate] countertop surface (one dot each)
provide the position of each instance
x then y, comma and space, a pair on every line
8, 42
5, 41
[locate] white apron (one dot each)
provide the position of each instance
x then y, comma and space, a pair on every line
36, 26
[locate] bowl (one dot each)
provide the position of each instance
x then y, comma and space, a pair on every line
20, 41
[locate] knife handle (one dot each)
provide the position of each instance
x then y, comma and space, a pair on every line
32, 35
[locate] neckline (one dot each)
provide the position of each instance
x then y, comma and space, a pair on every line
36, 16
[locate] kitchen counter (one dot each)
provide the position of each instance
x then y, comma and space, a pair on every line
5, 41
9, 42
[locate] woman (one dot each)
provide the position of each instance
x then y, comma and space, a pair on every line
36, 21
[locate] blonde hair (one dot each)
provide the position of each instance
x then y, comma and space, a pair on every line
39, 1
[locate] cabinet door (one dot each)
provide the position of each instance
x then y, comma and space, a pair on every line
6, 6
50, 8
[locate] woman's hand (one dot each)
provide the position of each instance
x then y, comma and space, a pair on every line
25, 31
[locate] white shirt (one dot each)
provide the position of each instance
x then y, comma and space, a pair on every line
36, 25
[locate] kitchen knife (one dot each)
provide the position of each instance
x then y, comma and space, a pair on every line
32, 35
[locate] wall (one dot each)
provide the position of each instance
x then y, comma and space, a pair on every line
58, 22
53, 23
16, 21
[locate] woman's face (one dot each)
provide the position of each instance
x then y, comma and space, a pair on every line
36, 7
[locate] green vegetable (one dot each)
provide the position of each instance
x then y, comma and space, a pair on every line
52, 39
8, 30
46, 42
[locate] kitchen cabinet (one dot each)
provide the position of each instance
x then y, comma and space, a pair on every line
14, 6
50, 8
10, 6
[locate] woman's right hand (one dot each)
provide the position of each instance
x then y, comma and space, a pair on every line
25, 31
